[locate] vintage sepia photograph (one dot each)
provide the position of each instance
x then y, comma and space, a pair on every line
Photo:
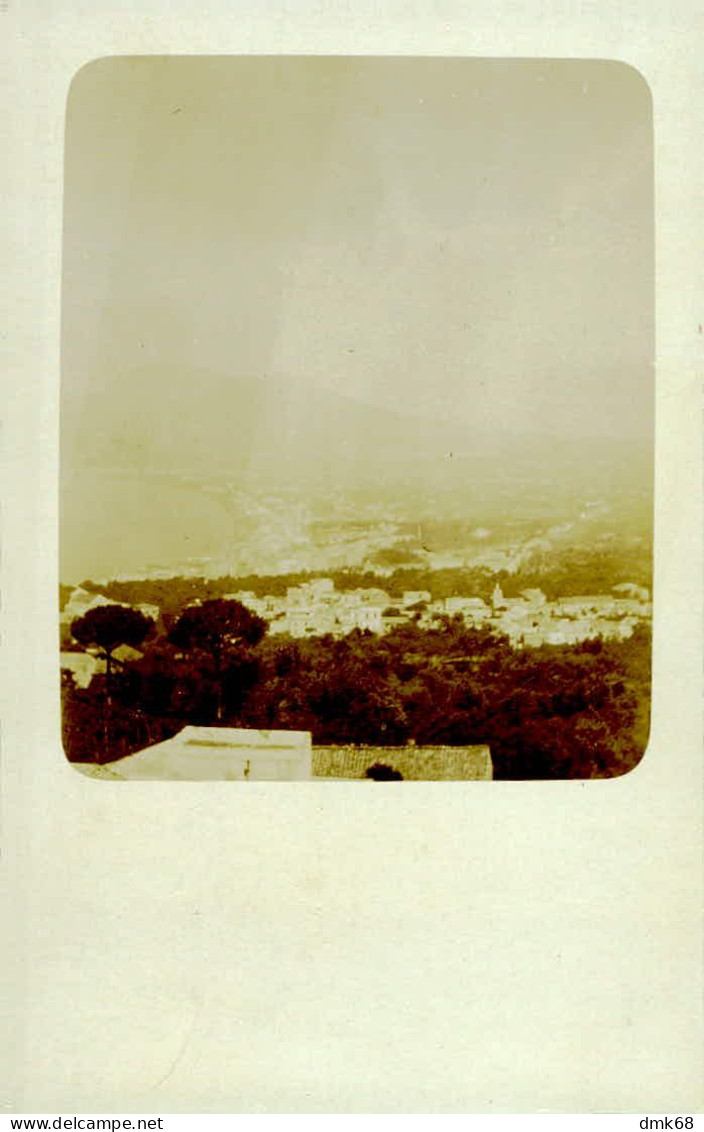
357, 419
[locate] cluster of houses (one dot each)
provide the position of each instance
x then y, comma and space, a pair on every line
316, 607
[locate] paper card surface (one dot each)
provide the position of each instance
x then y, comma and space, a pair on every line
447, 947
354, 438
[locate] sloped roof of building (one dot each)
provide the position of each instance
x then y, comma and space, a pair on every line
420, 764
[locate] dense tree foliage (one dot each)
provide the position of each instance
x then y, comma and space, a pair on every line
217, 638
549, 712
108, 626
217, 625
131, 727
103, 630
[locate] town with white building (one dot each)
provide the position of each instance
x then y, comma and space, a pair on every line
316, 607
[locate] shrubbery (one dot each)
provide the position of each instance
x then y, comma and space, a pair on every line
548, 712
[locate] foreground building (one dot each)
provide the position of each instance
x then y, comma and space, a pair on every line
227, 754
220, 754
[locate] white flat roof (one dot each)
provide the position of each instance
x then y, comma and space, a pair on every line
217, 754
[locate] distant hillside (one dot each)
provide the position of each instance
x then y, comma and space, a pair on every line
177, 421
145, 485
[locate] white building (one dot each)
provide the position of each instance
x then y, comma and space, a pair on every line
222, 754
82, 666
80, 602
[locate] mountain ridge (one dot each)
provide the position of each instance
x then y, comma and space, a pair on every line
178, 420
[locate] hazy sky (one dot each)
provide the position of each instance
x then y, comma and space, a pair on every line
467, 238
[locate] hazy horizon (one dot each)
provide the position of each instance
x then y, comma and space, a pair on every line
438, 240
